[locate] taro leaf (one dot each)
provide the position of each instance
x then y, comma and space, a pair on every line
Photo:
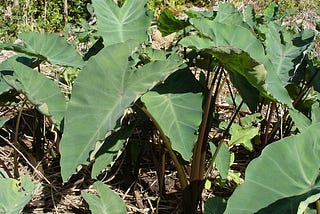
111, 149
315, 113
168, 23
228, 34
281, 53
222, 160
281, 56
4, 86
51, 47
270, 12
177, 107
40, 91
15, 194
294, 162
303, 122
117, 25
229, 14
3, 120
215, 205
106, 202
246, 74
300, 120
242, 136
249, 16
107, 85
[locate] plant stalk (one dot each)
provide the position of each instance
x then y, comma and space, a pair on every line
15, 143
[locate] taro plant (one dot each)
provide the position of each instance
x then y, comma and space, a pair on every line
266, 63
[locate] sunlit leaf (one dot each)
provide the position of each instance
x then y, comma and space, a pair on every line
178, 110
117, 25
51, 47
107, 85
295, 161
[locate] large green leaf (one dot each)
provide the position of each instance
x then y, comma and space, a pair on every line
108, 84
51, 47
228, 34
178, 110
287, 168
40, 90
121, 24
283, 52
15, 194
106, 202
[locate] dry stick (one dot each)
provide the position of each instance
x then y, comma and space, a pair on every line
181, 173
27, 161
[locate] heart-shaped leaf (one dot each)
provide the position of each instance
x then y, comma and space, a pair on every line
51, 47
170, 103
108, 84
40, 90
117, 25
286, 173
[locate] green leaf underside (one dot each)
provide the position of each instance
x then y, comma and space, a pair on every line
51, 47
15, 195
40, 91
107, 201
177, 110
295, 162
117, 25
104, 89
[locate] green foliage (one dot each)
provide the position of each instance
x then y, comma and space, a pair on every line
39, 15
295, 162
268, 65
116, 86
121, 24
179, 97
106, 201
40, 91
15, 194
